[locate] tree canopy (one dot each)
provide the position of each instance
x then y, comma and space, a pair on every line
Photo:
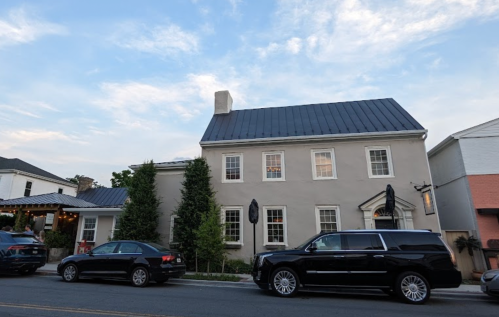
121, 179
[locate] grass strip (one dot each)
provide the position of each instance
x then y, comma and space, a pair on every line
210, 277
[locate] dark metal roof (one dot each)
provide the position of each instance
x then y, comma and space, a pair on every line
17, 164
53, 198
105, 197
365, 116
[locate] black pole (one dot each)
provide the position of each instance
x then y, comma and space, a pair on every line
254, 240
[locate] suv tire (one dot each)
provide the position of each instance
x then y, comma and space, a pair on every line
285, 282
412, 288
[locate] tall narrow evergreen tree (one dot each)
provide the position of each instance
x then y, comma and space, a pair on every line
196, 196
140, 218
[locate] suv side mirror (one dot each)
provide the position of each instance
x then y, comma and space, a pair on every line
90, 252
313, 247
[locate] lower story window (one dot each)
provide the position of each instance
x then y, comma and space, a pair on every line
233, 228
89, 227
275, 226
327, 219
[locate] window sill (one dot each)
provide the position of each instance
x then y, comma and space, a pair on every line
233, 246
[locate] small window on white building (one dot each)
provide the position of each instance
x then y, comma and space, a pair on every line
379, 161
323, 164
27, 190
60, 190
232, 218
89, 229
273, 166
275, 227
232, 168
328, 218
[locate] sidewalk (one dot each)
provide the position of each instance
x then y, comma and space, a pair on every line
51, 269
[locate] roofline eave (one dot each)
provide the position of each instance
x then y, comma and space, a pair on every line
16, 171
365, 135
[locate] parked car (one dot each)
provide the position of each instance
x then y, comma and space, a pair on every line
489, 282
406, 263
136, 261
21, 253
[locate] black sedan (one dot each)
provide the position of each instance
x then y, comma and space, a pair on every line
21, 253
136, 261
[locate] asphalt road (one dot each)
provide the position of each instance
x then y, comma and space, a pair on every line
48, 295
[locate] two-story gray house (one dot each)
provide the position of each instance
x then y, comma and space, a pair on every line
316, 167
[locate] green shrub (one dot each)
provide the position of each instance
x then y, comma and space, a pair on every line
6, 220
210, 277
237, 267
57, 239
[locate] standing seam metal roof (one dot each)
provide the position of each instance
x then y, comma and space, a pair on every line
105, 197
365, 116
17, 164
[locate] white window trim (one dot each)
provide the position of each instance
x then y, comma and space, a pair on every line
265, 223
314, 166
113, 228
240, 208
83, 228
224, 165
172, 225
264, 167
388, 156
318, 216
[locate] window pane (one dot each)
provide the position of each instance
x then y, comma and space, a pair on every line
273, 165
323, 164
232, 167
232, 225
275, 225
379, 162
327, 218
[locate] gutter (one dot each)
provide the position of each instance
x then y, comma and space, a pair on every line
328, 137
80, 209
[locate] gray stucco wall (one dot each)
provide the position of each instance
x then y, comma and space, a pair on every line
452, 191
301, 194
168, 188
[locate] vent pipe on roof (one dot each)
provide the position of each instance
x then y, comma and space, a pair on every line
223, 102
84, 183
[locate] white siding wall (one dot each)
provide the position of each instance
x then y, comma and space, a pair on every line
17, 184
5, 185
480, 155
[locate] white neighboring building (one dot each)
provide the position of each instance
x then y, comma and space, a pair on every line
21, 179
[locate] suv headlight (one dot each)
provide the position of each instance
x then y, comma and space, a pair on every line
262, 257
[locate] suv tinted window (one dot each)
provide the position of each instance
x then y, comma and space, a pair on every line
418, 242
364, 242
24, 238
329, 243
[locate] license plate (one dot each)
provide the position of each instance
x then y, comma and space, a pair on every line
35, 252
179, 260
483, 288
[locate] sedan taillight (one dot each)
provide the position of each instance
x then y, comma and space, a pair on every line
168, 258
17, 247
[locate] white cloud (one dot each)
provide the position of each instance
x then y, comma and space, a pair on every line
164, 40
18, 111
22, 28
294, 45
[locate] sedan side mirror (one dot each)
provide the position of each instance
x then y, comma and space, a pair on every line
313, 247
90, 252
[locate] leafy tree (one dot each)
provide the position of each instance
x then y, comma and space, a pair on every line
21, 221
122, 179
196, 196
209, 237
76, 180
140, 218
6, 220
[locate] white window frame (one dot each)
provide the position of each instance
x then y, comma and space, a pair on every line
388, 156
314, 165
264, 167
224, 166
240, 209
265, 224
113, 228
318, 216
95, 229
172, 225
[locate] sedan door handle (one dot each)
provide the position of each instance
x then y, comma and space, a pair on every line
338, 256
378, 256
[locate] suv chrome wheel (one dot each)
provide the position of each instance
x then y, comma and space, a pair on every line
285, 282
413, 288
140, 277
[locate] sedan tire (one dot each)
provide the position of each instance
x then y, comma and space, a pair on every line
285, 282
140, 277
412, 288
70, 273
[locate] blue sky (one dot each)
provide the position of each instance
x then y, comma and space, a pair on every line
91, 87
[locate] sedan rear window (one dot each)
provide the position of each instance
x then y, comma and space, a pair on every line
25, 239
157, 247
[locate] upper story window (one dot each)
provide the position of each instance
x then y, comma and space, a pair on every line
379, 161
273, 166
116, 226
323, 164
60, 190
232, 218
328, 218
233, 168
27, 190
89, 229
275, 226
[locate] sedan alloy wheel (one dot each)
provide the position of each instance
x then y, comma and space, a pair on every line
140, 277
70, 273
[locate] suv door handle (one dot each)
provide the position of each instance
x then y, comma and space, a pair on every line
378, 256
338, 256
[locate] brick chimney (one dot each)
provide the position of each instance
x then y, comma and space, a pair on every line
223, 102
84, 183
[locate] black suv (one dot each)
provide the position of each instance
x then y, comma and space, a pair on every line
406, 263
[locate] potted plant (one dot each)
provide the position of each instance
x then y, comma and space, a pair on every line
59, 244
471, 243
